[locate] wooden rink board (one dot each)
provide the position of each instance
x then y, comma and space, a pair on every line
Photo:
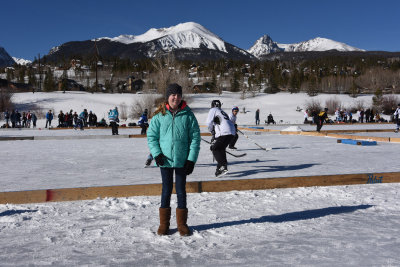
87, 193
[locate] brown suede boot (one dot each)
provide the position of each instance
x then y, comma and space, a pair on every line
165, 215
181, 219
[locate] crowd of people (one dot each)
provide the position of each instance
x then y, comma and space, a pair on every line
346, 116
73, 119
16, 119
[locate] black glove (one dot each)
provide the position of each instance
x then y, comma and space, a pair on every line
213, 136
189, 166
159, 160
216, 120
212, 147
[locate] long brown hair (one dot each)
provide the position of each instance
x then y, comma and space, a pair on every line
161, 108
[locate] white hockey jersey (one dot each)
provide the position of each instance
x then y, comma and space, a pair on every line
232, 118
225, 126
397, 113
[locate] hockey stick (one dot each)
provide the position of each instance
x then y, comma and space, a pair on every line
234, 155
263, 148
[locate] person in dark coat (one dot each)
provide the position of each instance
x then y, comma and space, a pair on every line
143, 122
7, 117
34, 119
13, 118
257, 117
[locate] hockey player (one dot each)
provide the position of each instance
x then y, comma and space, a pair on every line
320, 118
396, 116
232, 117
143, 122
223, 131
113, 117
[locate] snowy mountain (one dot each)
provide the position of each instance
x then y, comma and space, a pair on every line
318, 44
21, 61
184, 35
265, 45
5, 59
185, 40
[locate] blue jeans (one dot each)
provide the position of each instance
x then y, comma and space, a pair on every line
168, 183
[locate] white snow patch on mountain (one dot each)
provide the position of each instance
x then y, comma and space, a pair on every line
184, 35
318, 44
264, 46
22, 61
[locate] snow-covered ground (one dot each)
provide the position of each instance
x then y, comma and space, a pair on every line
355, 225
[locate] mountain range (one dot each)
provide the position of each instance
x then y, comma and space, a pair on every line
265, 46
5, 59
187, 41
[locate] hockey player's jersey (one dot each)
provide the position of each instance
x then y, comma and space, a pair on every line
225, 126
232, 118
397, 113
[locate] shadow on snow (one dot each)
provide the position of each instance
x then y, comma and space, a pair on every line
286, 217
262, 169
14, 212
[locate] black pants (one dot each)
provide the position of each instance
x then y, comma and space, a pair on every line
219, 149
233, 141
320, 123
144, 129
114, 128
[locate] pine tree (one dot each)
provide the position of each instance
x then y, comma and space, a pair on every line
49, 83
294, 82
377, 100
31, 78
21, 75
235, 85
312, 89
353, 90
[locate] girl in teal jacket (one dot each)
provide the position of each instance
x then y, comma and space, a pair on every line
174, 141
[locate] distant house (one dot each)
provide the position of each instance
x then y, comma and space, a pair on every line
15, 87
133, 84
71, 85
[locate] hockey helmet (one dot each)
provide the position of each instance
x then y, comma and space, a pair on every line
235, 109
216, 104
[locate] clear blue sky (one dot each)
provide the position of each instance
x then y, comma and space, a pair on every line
30, 27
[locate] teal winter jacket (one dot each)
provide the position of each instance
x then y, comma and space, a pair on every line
177, 136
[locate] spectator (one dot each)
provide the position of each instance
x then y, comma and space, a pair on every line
270, 119
13, 118
7, 117
49, 118
257, 117
28, 119
60, 119
113, 117
34, 119
24, 119
306, 116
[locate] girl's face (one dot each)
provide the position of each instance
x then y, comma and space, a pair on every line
174, 100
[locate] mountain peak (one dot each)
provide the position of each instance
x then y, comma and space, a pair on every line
318, 44
184, 35
264, 46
